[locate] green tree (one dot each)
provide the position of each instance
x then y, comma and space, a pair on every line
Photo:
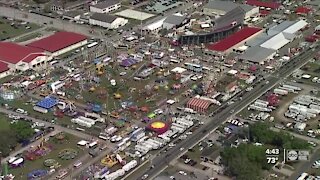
22, 129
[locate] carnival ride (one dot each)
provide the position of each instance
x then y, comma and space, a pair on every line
51, 163
41, 150
67, 154
158, 126
111, 160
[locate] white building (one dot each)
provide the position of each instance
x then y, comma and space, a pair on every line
154, 27
105, 6
107, 21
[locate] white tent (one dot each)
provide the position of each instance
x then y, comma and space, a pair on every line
276, 42
296, 27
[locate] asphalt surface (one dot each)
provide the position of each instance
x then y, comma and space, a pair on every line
161, 161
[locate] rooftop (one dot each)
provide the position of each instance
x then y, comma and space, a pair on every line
3, 67
226, 5
106, 3
103, 17
14, 53
260, 3
57, 41
234, 39
257, 54
174, 19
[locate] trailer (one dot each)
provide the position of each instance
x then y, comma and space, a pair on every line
111, 130
280, 91
143, 139
178, 129
152, 144
262, 102
184, 123
263, 105
179, 125
258, 108
142, 148
292, 87
130, 165
287, 89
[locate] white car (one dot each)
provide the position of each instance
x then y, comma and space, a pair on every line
187, 161
182, 173
145, 176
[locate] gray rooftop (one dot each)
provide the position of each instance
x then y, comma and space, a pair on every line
277, 28
257, 54
226, 5
103, 17
174, 19
106, 3
235, 15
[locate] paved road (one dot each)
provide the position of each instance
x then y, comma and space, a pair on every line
161, 161
69, 26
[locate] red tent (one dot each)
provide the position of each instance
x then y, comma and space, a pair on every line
199, 105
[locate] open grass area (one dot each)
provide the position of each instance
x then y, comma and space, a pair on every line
57, 146
28, 37
4, 123
10, 29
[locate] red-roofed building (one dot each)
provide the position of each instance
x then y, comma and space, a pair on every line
4, 70
235, 40
259, 3
302, 10
198, 105
60, 42
21, 58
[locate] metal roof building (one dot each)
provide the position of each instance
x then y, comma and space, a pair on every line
257, 54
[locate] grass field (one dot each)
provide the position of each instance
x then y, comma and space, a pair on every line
58, 145
9, 30
4, 123
28, 37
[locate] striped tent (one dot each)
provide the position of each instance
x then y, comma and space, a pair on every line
199, 105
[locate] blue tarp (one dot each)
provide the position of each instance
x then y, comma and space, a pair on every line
47, 102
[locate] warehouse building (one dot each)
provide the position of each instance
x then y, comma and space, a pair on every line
105, 6
220, 8
107, 21
59, 43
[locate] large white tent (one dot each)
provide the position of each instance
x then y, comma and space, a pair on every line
276, 42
